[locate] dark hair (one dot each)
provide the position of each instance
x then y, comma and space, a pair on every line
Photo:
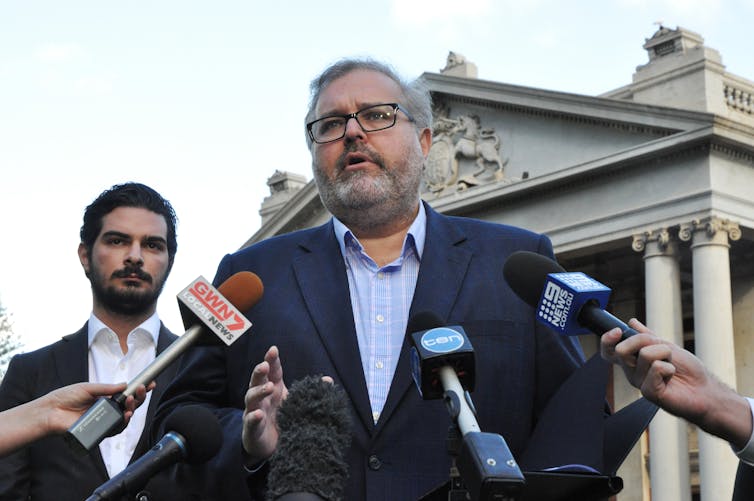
128, 195
416, 97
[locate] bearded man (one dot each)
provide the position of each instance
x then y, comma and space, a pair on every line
128, 244
338, 299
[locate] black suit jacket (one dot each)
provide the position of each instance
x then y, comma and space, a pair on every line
48, 469
306, 311
744, 486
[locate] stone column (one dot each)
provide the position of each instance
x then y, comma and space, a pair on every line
713, 336
668, 437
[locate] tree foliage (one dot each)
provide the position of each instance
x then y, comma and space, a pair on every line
10, 342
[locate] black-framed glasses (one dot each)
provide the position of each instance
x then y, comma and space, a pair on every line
370, 119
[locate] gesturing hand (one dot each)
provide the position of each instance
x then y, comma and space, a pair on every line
263, 398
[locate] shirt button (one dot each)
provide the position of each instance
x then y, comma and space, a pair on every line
380, 318
374, 463
375, 416
379, 365
380, 275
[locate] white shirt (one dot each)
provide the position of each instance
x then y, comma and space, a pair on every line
108, 364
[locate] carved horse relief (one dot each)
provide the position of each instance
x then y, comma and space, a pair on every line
458, 139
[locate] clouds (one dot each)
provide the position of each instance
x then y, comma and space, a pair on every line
427, 12
65, 69
58, 53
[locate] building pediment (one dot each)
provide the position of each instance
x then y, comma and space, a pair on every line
490, 132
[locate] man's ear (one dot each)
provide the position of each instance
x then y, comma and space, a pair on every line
84, 258
425, 140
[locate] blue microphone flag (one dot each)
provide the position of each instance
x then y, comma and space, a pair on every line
563, 296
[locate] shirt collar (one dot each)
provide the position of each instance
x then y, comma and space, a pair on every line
417, 231
151, 326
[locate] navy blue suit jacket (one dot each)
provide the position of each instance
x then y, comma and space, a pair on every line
48, 469
306, 312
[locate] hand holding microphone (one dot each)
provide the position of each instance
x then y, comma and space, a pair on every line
204, 309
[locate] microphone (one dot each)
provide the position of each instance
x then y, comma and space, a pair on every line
204, 309
443, 366
569, 303
442, 359
314, 426
195, 437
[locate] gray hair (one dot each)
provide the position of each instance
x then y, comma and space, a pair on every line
415, 94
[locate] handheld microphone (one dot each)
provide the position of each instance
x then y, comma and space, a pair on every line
195, 437
442, 363
569, 303
314, 426
204, 309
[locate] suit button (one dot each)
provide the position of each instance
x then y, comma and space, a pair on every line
374, 463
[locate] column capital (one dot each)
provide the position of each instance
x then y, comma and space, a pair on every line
660, 237
710, 229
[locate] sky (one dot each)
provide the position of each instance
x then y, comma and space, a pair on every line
204, 101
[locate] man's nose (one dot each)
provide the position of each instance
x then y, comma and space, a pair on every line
353, 129
134, 254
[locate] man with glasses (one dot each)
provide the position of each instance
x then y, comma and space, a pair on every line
338, 299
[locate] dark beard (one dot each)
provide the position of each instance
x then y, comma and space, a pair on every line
131, 301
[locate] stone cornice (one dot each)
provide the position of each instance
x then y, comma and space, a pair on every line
734, 153
567, 103
568, 117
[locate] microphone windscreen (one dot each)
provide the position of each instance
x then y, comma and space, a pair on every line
314, 424
526, 273
200, 430
424, 320
242, 289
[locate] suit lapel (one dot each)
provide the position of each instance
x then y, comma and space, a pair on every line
321, 275
71, 357
72, 365
443, 267
163, 380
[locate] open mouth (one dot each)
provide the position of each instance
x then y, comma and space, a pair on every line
356, 159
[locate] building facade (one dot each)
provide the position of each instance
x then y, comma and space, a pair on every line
648, 188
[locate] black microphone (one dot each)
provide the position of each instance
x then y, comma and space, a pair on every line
566, 302
204, 309
442, 363
314, 424
442, 360
194, 437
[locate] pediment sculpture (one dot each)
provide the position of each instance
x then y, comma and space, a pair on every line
463, 155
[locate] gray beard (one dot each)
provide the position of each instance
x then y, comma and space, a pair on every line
362, 201
367, 202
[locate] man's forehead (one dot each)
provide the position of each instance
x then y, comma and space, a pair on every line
357, 88
134, 221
